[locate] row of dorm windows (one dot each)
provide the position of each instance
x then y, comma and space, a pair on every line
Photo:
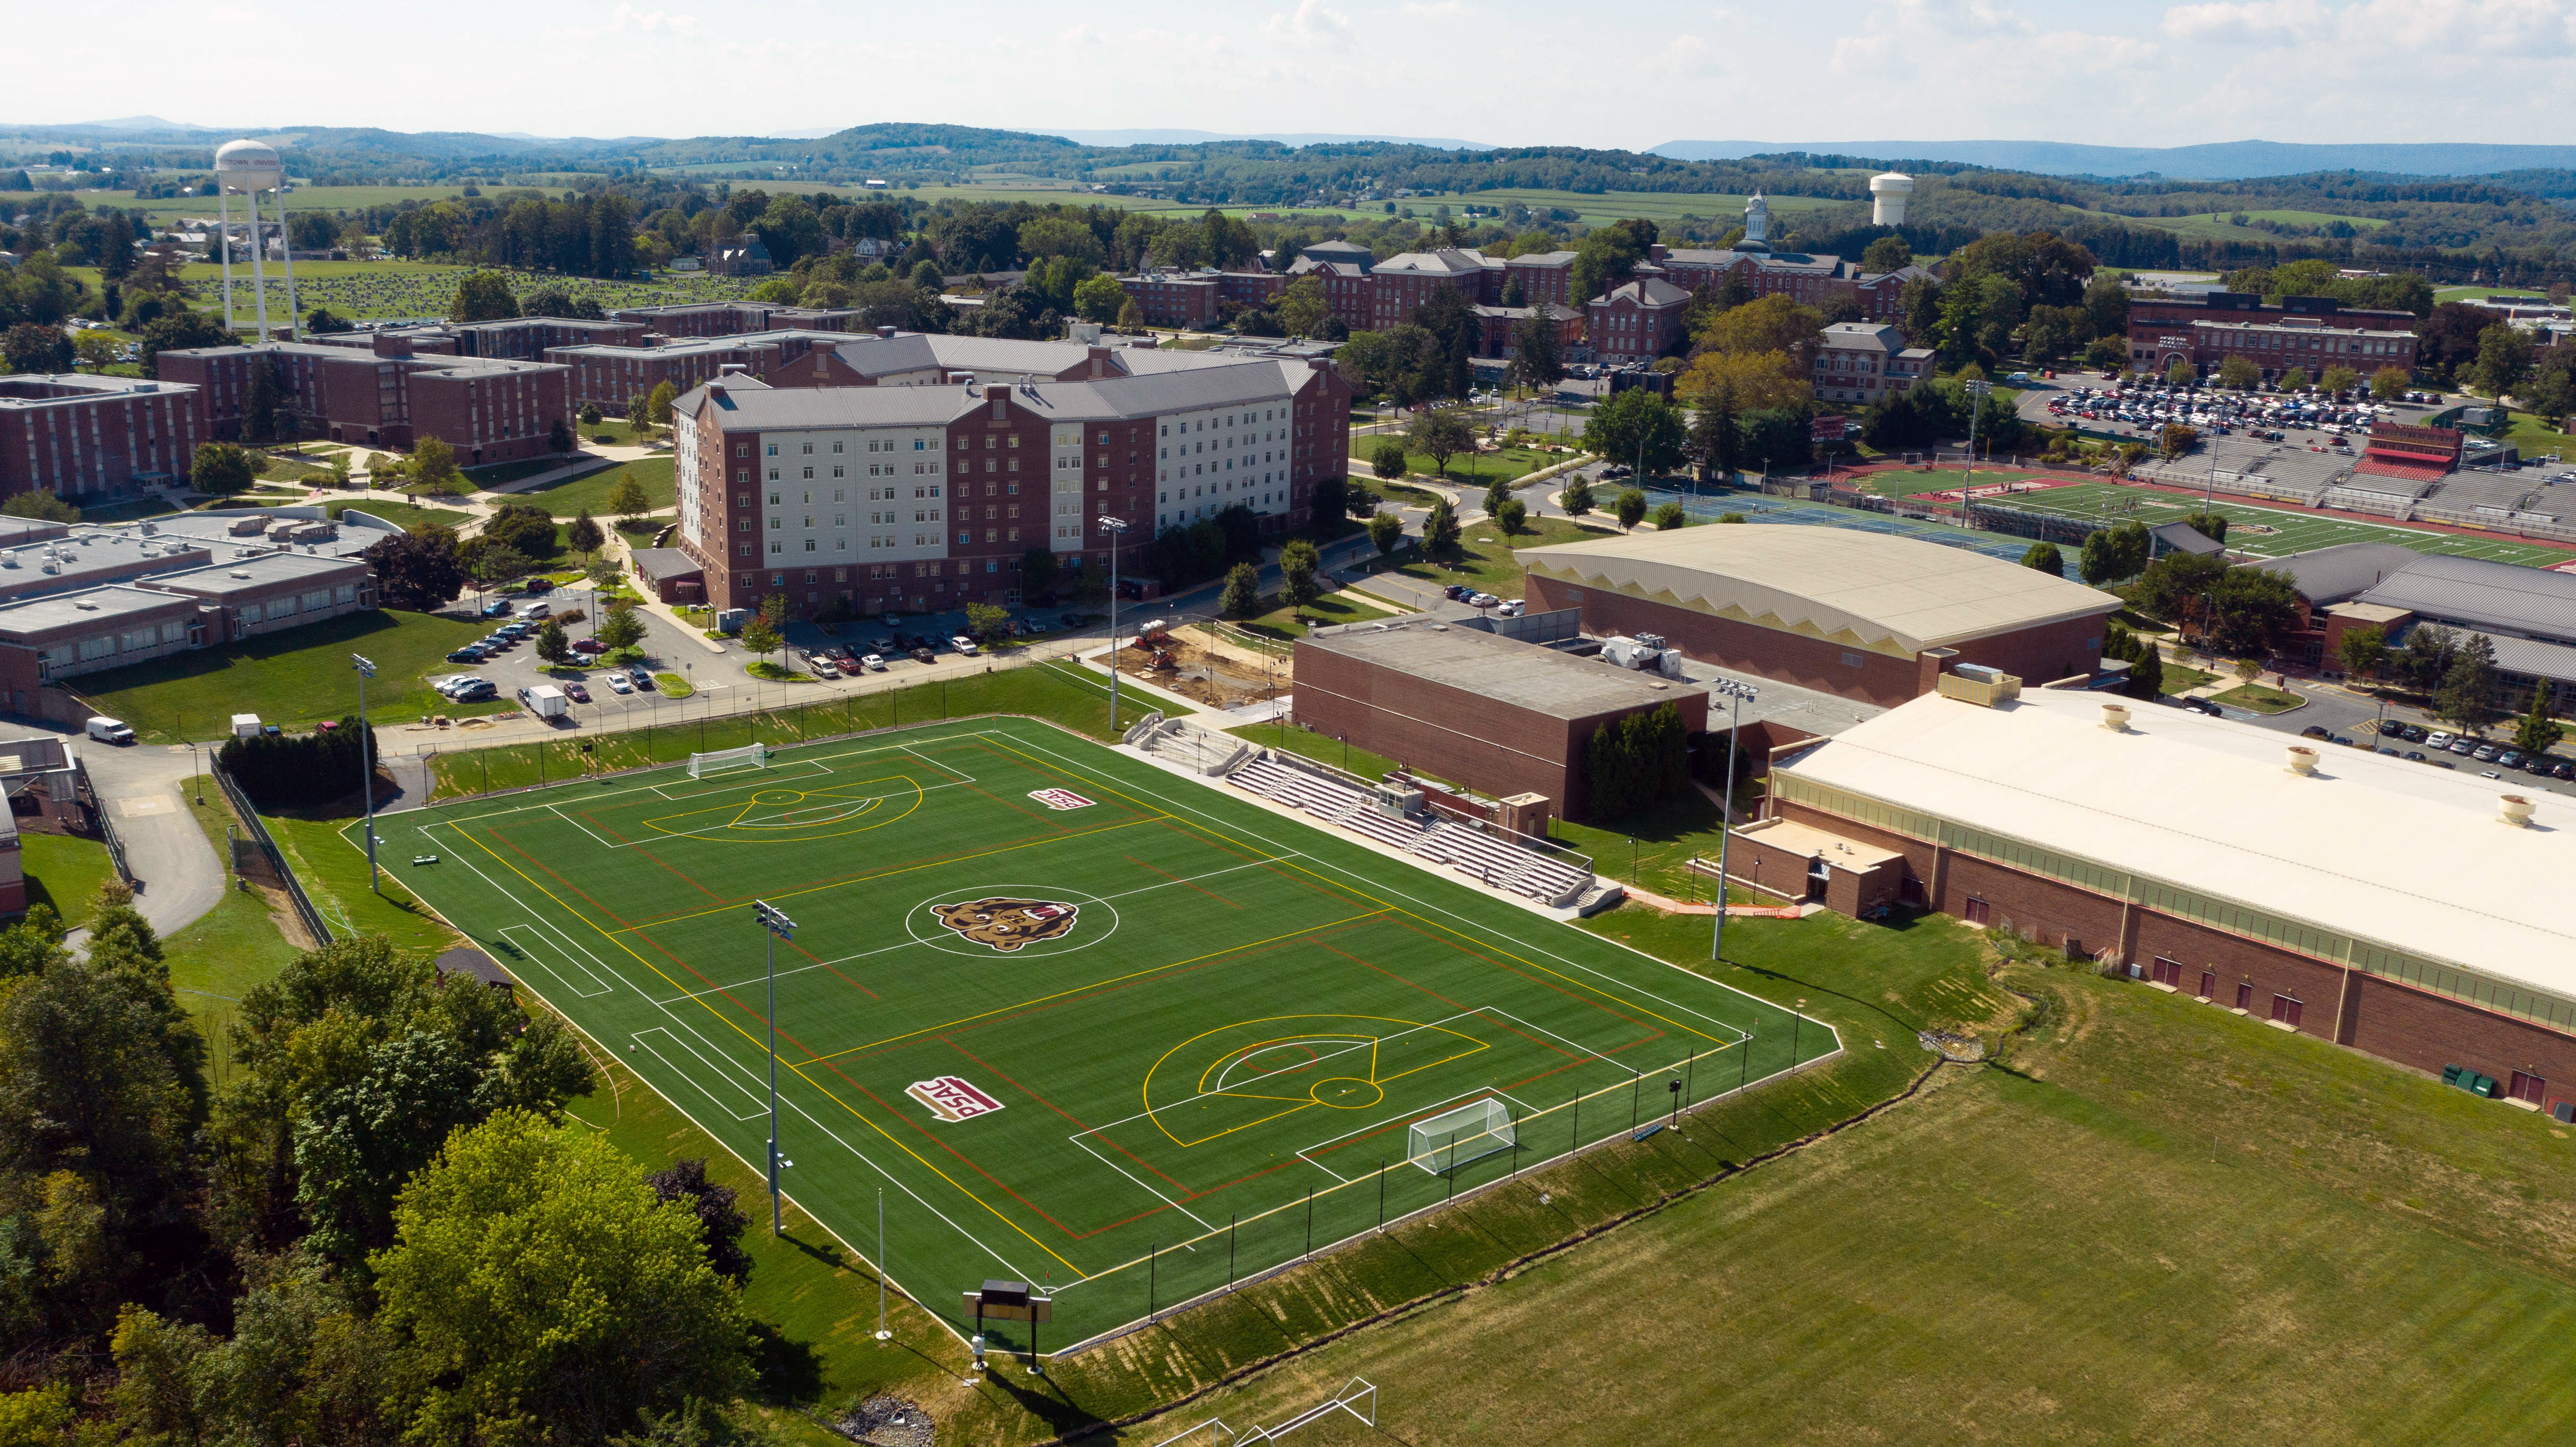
965, 538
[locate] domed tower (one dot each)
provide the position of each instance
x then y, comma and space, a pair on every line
1757, 222
1887, 193
247, 168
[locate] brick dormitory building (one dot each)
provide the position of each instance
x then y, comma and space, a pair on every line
488, 409
927, 496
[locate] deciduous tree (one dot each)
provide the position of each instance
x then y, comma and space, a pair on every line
418, 571
1629, 508
585, 535
1386, 531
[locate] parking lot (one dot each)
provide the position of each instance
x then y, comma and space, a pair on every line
2344, 715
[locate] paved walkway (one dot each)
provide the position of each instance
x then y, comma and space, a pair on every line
178, 874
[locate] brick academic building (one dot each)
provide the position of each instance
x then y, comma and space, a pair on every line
1863, 615
1497, 715
2228, 864
2301, 333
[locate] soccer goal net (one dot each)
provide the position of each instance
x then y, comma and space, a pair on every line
749, 756
1455, 1137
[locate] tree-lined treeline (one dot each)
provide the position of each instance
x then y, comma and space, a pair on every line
371, 1224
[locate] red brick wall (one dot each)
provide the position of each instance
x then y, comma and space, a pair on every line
2383, 1017
491, 417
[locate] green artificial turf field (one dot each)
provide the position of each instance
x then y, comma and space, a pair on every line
1085, 1023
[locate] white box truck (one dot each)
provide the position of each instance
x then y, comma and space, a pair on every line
245, 725
545, 701
108, 730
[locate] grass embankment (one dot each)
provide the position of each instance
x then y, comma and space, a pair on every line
292, 679
234, 946
64, 873
589, 493
1467, 472
494, 474
1067, 694
1484, 560
2255, 698
1281, 621
400, 514
2150, 1221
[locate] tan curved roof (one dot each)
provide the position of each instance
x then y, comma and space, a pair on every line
1869, 590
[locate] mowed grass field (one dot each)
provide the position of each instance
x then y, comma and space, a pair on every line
1084, 1023
293, 679
2152, 1221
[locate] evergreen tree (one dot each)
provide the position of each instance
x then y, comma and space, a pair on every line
2467, 695
1440, 530
1576, 498
1242, 595
2538, 733
585, 534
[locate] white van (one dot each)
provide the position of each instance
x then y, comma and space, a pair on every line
108, 730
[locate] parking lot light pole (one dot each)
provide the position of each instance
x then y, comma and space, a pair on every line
1736, 695
1117, 530
776, 926
367, 766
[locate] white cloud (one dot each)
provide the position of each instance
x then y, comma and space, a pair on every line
2249, 22
1314, 26
1441, 10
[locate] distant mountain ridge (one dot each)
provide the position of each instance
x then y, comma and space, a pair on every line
1151, 137
2218, 161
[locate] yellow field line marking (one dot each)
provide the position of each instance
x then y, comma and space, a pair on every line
888, 1136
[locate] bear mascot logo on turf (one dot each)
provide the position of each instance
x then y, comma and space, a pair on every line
1007, 924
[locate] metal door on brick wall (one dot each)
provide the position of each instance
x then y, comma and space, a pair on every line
2245, 997
1973, 911
2166, 972
2527, 1086
2286, 1010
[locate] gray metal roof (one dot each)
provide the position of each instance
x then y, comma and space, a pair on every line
1221, 382
1523, 675
661, 563
2343, 572
2182, 538
2493, 598
250, 575
97, 608
2530, 656
1650, 291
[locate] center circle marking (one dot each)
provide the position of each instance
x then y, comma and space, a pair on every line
1348, 1092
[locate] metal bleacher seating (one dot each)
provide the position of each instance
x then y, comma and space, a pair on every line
1471, 852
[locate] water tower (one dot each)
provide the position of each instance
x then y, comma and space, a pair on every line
246, 169
1887, 193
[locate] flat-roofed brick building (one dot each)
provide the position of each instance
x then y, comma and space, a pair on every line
1498, 715
489, 410
85, 436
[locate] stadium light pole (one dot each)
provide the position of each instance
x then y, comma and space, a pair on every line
1977, 392
367, 766
1117, 529
1736, 695
775, 926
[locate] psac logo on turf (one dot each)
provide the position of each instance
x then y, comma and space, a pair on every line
1060, 798
1007, 924
952, 1099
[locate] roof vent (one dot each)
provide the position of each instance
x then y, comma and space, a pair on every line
2303, 761
238, 573
87, 606
2517, 811
2115, 717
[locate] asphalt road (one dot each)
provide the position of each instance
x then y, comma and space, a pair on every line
178, 872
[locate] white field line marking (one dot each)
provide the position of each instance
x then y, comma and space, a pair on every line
819, 763
1148, 1190
535, 948
884, 949
759, 1106
785, 1100
577, 824
1465, 925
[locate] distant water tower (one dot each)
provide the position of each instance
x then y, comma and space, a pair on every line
1887, 193
247, 169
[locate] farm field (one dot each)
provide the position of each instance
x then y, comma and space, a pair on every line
377, 290
165, 210
1086, 1024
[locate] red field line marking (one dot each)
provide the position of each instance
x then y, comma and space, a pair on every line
999, 1074
1176, 879
743, 1005
640, 849
495, 831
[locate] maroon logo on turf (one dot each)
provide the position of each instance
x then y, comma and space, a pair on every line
952, 1099
1007, 924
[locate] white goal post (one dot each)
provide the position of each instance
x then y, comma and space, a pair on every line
1454, 1137
754, 756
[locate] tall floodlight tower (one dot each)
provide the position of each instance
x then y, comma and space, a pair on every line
1887, 193
247, 169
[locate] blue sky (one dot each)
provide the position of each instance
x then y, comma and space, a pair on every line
1501, 71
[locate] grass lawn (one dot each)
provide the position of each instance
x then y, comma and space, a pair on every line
2182, 678
2258, 699
335, 876
1489, 566
1472, 474
400, 514
2153, 1222
1339, 606
494, 474
1322, 748
65, 873
1401, 492
292, 679
571, 498
2535, 437
1666, 837
618, 432
232, 947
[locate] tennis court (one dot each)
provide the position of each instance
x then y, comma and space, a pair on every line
1084, 1023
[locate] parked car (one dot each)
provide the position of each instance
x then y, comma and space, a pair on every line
963, 644
873, 663
2202, 705
617, 684
539, 610
2439, 738
1076, 620
924, 655
468, 654
2485, 753
2562, 770
2312, 731
2509, 759
539, 585
1482, 600
881, 645
2415, 755
2391, 728
576, 693
497, 608
2412, 733
588, 645
822, 665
